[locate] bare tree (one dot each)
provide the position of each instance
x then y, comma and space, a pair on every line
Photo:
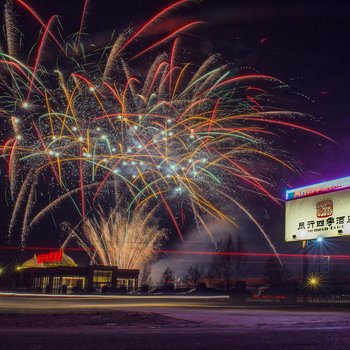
145, 277
227, 263
240, 258
194, 274
168, 278
275, 274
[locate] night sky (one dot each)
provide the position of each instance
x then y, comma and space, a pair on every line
303, 43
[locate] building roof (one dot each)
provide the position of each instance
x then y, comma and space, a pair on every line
33, 262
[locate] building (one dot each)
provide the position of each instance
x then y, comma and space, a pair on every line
55, 272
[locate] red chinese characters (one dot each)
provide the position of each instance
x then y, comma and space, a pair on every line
51, 257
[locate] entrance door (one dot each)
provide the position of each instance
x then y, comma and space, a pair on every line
73, 283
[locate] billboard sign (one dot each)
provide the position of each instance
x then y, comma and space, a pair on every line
323, 187
310, 215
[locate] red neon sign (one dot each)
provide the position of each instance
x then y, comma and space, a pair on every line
51, 257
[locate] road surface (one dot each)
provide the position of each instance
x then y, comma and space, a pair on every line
56, 322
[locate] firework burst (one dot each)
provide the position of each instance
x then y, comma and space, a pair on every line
129, 242
188, 139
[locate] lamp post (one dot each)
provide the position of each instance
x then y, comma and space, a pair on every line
305, 245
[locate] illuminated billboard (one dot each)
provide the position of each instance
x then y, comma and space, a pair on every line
323, 187
321, 210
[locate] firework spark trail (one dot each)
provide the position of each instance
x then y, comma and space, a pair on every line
12, 167
112, 58
37, 17
22, 196
10, 29
28, 210
154, 20
119, 241
38, 56
82, 20
187, 139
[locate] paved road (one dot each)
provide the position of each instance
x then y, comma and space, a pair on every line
47, 322
11, 302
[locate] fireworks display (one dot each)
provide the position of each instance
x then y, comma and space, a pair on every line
117, 240
184, 138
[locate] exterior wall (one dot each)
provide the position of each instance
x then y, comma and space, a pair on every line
76, 279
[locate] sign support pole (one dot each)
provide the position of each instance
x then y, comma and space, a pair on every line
305, 266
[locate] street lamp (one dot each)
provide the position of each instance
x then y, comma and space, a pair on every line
314, 282
306, 246
305, 260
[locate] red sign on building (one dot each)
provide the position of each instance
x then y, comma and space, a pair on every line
52, 257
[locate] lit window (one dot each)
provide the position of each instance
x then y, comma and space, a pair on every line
102, 277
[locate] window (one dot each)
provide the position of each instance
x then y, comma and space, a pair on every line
45, 281
73, 281
37, 282
127, 283
131, 284
72, 284
101, 278
56, 284
122, 282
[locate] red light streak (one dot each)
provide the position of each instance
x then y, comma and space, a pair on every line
173, 50
243, 77
213, 115
176, 32
38, 56
82, 20
151, 21
293, 126
37, 17
81, 184
197, 252
252, 254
